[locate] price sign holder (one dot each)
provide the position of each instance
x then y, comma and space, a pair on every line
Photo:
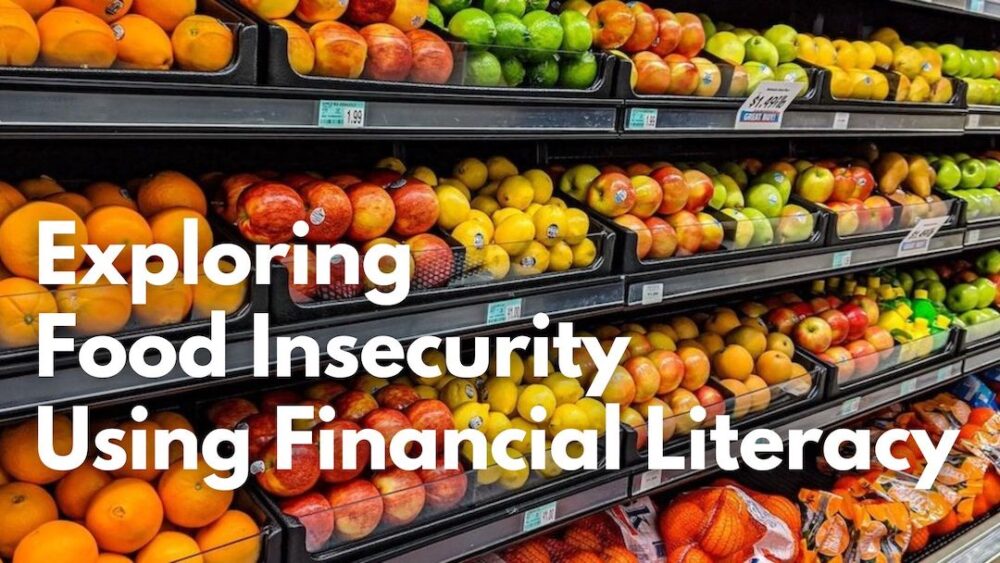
642, 119
504, 311
338, 114
918, 240
765, 108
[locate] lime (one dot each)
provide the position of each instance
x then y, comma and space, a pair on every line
577, 35
514, 7
482, 68
578, 72
512, 36
474, 26
543, 74
538, 5
435, 16
546, 35
450, 7
513, 71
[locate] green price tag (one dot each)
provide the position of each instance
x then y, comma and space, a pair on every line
842, 259
503, 311
641, 119
539, 516
335, 114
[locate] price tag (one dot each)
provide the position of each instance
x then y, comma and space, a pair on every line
503, 311
766, 106
978, 6
642, 119
850, 406
652, 293
943, 373
335, 114
972, 121
841, 119
919, 238
972, 237
907, 387
650, 480
539, 516
841, 259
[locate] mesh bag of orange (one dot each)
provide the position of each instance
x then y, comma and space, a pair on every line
842, 529
925, 506
827, 527
985, 441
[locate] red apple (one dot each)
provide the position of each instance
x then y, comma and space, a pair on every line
692, 39
857, 319
262, 428
388, 423
847, 218
783, 319
374, 212
315, 514
835, 301
299, 478
433, 260
383, 177
839, 325
433, 61
396, 396
712, 232
839, 357
309, 424
790, 297
689, 232
267, 211
645, 28
700, 190
403, 495
813, 334
683, 75
802, 309
881, 340
644, 239
664, 238
675, 189
612, 23
713, 401
648, 196
358, 507
819, 304
226, 201
844, 185
340, 50
652, 74
870, 307
298, 180
312, 11
865, 357
354, 405
613, 169
445, 487
362, 453
389, 54
611, 194
328, 211
863, 181
364, 12
431, 414
668, 32
271, 400
344, 180
671, 369
227, 413
325, 391
416, 207
879, 212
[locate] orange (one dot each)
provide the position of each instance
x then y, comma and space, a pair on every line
19, 41
724, 533
107, 10
233, 538
168, 547
210, 296
618, 554
967, 431
978, 415
170, 189
689, 553
100, 308
102, 194
125, 515
10, 198
113, 558
202, 43
142, 44
582, 538
301, 52
584, 557
944, 526
166, 13
4, 478
918, 540
19, 238
74, 38
56, 542
165, 304
733, 362
188, 501
980, 506
21, 302
79, 204
991, 487
37, 188
75, 491
23, 507
19, 450
173, 421
145, 433
168, 229
774, 367
36, 7
118, 225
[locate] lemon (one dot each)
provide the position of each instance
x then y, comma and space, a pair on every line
426, 392
595, 413
485, 203
541, 184
457, 184
471, 172
391, 163
533, 261
550, 224
370, 384
483, 219
515, 234
496, 423
501, 394
486, 476
499, 167
516, 369
551, 468
584, 254
567, 417
470, 415
504, 212
532, 209
489, 189
518, 423
558, 203
453, 206
496, 261
401, 380
425, 175
516, 478
515, 191
529, 369
533, 395
471, 234
560, 257
566, 389
458, 392
577, 226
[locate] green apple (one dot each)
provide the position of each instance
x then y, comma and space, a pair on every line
743, 33
514, 7
989, 262
708, 25
951, 59
965, 66
973, 173
740, 230
734, 195
973, 317
435, 16
792, 72
766, 199
735, 172
976, 67
727, 46
991, 313
906, 282
577, 71
948, 174
706, 168
987, 292
936, 291
577, 35
719, 194
778, 180
796, 224
763, 232
782, 36
815, 184
575, 181
992, 173
994, 197
961, 156
762, 51
756, 73
962, 297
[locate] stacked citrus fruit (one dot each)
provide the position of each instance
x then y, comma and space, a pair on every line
103, 214
597, 538
130, 34
88, 516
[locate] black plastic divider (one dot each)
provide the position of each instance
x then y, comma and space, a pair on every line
955, 104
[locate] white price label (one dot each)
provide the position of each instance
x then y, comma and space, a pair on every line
650, 480
972, 121
642, 119
907, 387
652, 293
765, 108
943, 373
850, 406
336, 114
539, 516
972, 237
503, 311
841, 259
841, 119
918, 240
978, 6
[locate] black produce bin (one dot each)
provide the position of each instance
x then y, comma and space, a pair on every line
982, 336
956, 104
242, 70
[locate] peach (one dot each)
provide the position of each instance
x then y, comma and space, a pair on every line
19, 41
301, 52
340, 51
270, 9
312, 11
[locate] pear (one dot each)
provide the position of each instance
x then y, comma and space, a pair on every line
920, 176
890, 171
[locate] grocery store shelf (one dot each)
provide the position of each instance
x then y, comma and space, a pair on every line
983, 119
656, 288
978, 8
982, 235
978, 544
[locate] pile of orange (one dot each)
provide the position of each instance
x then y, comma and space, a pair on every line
130, 34
90, 516
104, 214
594, 539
